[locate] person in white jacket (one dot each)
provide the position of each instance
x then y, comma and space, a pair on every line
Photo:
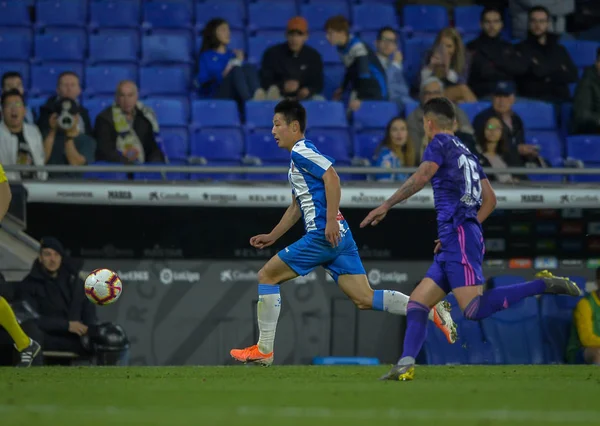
20, 143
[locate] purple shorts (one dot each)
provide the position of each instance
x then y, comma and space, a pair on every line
460, 261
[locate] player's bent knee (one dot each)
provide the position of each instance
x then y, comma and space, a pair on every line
264, 277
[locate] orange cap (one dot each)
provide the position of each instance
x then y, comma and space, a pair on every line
298, 23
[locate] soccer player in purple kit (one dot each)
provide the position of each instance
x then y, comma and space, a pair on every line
463, 199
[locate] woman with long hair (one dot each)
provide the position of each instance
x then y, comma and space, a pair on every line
495, 149
395, 150
222, 73
448, 61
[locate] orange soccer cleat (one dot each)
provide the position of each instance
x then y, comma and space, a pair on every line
252, 354
443, 320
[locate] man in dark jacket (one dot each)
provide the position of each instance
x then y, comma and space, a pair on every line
586, 103
492, 58
550, 68
292, 69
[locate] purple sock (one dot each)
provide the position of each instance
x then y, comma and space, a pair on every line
499, 298
416, 328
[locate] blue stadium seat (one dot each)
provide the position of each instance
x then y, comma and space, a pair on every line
215, 113
15, 45
550, 143
375, 114
217, 144
373, 16
516, 334
332, 143
473, 108
467, 18
418, 18
96, 105
115, 14
584, 147
237, 40
60, 45
414, 51
566, 109
369, 38
259, 43
327, 114
169, 112
20, 67
333, 77
318, 13
580, 281
410, 106
259, 114
105, 175
14, 14
234, 12
103, 79
175, 141
114, 46
329, 54
582, 52
270, 15
35, 104
165, 80
44, 77
556, 313
536, 115
165, 49
167, 14
260, 144
63, 13
366, 143
504, 280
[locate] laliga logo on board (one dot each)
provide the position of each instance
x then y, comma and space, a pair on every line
167, 276
376, 277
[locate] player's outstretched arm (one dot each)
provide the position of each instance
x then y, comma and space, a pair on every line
488, 203
333, 194
5, 194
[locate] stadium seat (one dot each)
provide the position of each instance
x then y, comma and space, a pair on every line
167, 14
259, 114
334, 75
45, 76
165, 80
35, 104
550, 143
516, 334
473, 108
15, 45
217, 144
260, 144
60, 45
326, 114
584, 147
22, 67
365, 144
536, 115
467, 19
14, 14
234, 12
114, 46
329, 54
215, 113
105, 175
165, 49
369, 38
332, 143
566, 109
373, 16
318, 13
409, 107
169, 112
580, 281
103, 79
259, 43
504, 280
556, 313
418, 18
414, 51
96, 105
175, 141
582, 52
115, 14
374, 114
63, 13
267, 15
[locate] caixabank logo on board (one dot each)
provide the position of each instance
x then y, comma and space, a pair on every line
174, 196
168, 276
235, 275
376, 277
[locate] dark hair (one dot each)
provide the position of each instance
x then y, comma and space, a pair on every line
440, 106
406, 153
64, 74
210, 40
10, 74
534, 9
503, 143
383, 30
489, 9
338, 23
292, 111
11, 93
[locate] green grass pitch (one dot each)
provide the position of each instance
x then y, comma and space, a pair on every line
248, 396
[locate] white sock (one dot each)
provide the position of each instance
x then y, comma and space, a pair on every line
267, 311
393, 302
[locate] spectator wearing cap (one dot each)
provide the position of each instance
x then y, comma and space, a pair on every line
492, 58
586, 103
64, 143
20, 143
67, 86
292, 69
13, 80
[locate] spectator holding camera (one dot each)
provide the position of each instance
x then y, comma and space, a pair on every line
127, 131
20, 143
12, 80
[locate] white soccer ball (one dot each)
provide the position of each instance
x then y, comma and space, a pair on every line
103, 287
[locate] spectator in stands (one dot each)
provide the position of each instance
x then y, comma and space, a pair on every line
12, 80
492, 58
126, 132
64, 143
222, 73
364, 76
20, 143
391, 60
586, 103
584, 343
550, 69
431, 87
395, 150
292, 69
557, 12
495, 149
448, 61
67, 86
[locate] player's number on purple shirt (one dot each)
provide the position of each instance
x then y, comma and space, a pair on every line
472, 193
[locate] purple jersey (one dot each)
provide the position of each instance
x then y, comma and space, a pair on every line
456, 184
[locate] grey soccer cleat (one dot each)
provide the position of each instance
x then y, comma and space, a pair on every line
558, 285
28, 354
403, 371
